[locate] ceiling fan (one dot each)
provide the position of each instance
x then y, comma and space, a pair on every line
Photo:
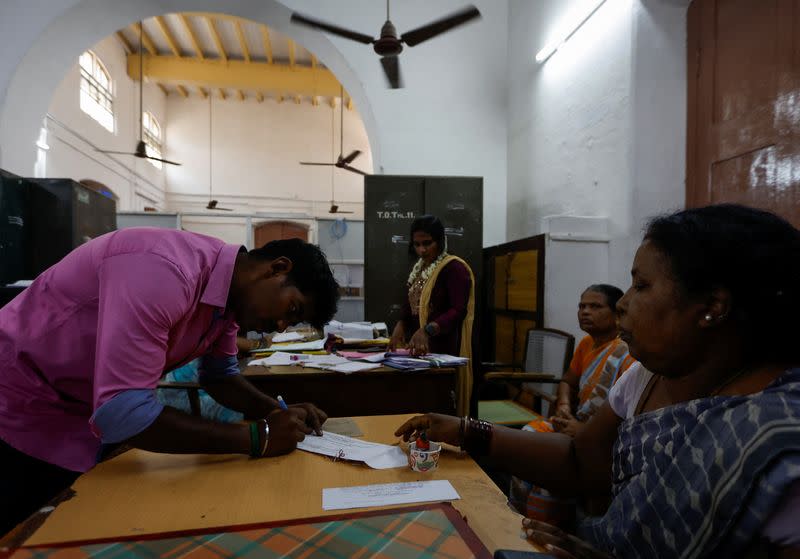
212, 204
389, 45
141, 148
341, 162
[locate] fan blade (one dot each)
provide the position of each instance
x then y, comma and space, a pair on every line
351, 157
431, 30
353, 169
311, 163
391, 67
342, 212
116, 152
221, 209
167, 161
336, 30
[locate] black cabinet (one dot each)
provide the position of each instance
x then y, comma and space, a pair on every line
14, 224
391, 202
42, 220
66, 215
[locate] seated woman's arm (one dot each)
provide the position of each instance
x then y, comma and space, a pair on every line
557, 462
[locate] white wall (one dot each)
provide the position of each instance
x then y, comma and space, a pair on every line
598, 130
256, 149
72, 135
450, 119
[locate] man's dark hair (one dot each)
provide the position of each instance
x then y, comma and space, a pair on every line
752, 253
310, 273
612, 293
431, 225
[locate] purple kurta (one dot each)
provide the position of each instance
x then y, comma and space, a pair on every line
448, 303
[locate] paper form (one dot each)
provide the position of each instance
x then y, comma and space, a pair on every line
286, 337
388, 494
375, 455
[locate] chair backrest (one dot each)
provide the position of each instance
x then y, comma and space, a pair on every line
548, 351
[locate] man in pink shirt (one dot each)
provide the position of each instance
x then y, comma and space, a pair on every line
83, 348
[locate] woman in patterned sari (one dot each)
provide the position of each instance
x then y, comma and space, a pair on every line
440, 307
599, 360
700, 444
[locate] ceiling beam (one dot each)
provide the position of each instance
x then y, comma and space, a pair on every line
259, 97
242, 40
222, 94
349, 103
240, 94
291, 53
162, 24
236, 74
202, 93
297, 99
267, 43
148, 42
126, 44
164, 90
212, 26
189, 31
183, 92
332, 102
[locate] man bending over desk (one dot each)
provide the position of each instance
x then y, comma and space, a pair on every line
83, 348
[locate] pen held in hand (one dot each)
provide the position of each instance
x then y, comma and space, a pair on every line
282, 403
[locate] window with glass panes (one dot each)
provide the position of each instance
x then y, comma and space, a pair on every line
152, 137
96, 96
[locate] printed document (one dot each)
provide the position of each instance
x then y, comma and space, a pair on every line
388, 494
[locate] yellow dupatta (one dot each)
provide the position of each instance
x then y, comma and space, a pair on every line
464, 383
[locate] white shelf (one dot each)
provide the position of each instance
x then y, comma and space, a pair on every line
335, 262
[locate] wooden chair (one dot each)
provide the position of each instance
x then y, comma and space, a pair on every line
546, 357
191, 388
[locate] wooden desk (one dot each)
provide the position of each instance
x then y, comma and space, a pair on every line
376, 392
140, 492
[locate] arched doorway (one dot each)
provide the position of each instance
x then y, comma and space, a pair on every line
87, 21
276, 230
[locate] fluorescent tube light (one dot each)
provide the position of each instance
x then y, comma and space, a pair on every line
551, 48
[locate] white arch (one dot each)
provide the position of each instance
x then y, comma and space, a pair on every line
41, 70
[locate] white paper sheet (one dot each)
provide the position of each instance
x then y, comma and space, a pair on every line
388, 494
375, 455
286, 337
353, 367
279, 358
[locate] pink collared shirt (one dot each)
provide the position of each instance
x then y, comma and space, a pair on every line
108, 319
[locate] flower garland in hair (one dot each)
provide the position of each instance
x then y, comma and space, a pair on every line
425, 273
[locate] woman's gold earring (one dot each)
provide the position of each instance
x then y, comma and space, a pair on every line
709, 318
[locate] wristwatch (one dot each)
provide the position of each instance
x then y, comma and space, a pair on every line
430, 329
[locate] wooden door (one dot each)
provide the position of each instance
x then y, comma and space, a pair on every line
513, 297
276, 230
743, 136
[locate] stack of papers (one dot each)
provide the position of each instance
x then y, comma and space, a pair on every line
316, 345
375, 455
401, 359
328, 362
360, 330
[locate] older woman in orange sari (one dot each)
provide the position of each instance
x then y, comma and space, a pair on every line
599, 360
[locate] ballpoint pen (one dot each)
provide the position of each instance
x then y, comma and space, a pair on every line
281, 403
